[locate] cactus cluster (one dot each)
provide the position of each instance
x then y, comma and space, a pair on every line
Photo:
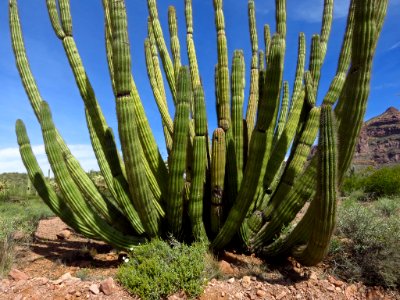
237, 188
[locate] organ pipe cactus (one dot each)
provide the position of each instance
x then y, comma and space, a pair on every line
240, 190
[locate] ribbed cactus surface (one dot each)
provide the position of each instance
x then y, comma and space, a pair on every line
246, 183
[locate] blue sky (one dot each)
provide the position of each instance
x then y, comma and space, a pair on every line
57, 86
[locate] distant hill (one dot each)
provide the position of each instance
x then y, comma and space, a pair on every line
379, 142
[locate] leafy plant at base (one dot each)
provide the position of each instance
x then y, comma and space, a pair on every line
254, 194
156, 269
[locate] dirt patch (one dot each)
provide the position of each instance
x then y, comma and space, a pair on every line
73, 267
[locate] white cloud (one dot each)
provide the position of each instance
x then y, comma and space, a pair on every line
394, 46
311, 10
10, 160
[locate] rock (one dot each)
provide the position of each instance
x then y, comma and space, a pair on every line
107, 286
18, 235
226, 268
261, 293
65, 277
335, 281
246, 281
18, 275
350, 291
281, 295
64, 234
330, 288
379, 142
231, 280
222, 294
94, 289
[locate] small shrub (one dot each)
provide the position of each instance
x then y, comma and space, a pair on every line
18, 216
83, 274
367, 242
156, 269
383, 182
7, 254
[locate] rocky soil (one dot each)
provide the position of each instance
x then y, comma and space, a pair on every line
62, 265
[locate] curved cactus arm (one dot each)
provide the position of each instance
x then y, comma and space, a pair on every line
175, 46
103, 206
71, 193
324, 211
156, 61
218, 162
275, 212
254, 70
23, 67
53, 201
160, 101
352, 102
310, 89
176, 182
162, 48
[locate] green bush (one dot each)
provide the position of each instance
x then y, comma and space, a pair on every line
383, 182
157, 269
367, 244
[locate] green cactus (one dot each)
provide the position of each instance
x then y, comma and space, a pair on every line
241, 185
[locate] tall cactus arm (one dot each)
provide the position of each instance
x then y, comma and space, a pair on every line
238, 85
93, 111
197, 188
324, 212
66, 20
162, 47
176, 182
352, 102
267, 42
223, 101
173, 32
218, 162
326, 26
254, 70
283, 113
127, 122
191, 50
154, 165
258, 146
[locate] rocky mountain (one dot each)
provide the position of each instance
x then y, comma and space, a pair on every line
379, 143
